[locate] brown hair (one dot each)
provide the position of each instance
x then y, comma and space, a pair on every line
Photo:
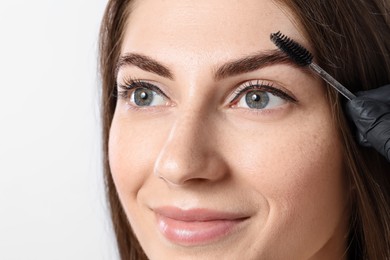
352, 42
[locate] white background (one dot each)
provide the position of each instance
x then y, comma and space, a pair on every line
52, 204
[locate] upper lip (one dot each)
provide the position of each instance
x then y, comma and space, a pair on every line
197, 214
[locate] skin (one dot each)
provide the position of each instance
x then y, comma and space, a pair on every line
281, 166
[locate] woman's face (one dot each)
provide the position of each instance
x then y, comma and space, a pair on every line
219, 147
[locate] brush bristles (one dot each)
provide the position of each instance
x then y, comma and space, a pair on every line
294, 50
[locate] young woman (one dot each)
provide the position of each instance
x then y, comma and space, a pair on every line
217, 146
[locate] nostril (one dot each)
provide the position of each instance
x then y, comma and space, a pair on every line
169, 182
177, 168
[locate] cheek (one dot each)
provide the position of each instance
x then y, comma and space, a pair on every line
310, 180
297, 168
130, 151
305, 187
286, 155
292, 171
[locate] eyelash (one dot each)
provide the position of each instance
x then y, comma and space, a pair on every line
130, 84
262, 86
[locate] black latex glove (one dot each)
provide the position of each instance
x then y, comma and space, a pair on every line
370, 111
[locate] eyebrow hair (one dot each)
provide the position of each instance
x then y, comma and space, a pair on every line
252, 63
145, 63
231, 68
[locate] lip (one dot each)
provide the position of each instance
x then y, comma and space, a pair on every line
196, 226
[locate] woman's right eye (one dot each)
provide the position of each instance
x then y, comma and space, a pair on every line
142, 94
146, 97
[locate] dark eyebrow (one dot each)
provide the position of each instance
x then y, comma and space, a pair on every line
252, 63
145, 63
231, 68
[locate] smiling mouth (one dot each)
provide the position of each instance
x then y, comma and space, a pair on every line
196, 226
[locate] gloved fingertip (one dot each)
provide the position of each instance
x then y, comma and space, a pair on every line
354, 107
357, 102
362, 140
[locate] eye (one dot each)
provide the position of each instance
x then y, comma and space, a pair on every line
258, 99
146, 97
142, 94
260, 95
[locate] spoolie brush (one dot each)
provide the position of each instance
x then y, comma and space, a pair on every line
302, 57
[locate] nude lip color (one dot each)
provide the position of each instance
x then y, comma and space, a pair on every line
195, 226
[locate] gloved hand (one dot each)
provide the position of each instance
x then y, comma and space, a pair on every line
370, 111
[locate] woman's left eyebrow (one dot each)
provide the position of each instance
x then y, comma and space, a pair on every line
231, 68
251, 63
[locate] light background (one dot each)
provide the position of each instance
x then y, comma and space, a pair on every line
51, 189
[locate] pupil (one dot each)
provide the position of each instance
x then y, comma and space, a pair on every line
143, 97
257, 99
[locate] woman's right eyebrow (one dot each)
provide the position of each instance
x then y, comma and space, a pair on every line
145, 63
231, 68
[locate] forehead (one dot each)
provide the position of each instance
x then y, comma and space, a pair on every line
204, 29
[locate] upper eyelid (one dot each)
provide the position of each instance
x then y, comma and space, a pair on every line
262, 84
131, 84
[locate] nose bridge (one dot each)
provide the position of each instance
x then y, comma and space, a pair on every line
194, 125
188, 152
185, 140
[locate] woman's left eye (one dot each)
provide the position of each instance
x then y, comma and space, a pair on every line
258, 99
260, 96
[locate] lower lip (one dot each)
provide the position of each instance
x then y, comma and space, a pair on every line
192, 233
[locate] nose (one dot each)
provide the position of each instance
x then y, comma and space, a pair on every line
190, 153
